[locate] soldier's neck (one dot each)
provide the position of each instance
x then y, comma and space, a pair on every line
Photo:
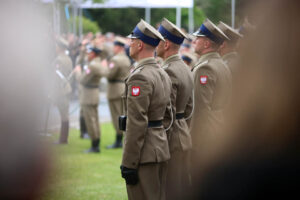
121, 51
146, 54
169, 54
206, 51
226, 51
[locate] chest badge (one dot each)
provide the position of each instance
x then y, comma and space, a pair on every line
135, 91
111, 65
87, 71
203, 80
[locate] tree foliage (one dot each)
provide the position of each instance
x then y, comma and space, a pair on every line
220, 10
123, 20
87, 25
117, 20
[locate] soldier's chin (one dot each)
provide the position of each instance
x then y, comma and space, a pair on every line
159, 54
132, 55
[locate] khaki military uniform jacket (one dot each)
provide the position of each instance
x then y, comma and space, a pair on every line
64, 68
89, 82
147, 92
212, 91
118, 70
231, 59
182, 101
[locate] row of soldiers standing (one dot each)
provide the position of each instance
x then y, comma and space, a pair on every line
91, 67
171, 111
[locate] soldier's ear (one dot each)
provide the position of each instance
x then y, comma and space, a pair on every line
207, 44
166, 44
140, 45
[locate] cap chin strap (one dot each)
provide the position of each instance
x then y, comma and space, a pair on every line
145, 38
204, 31
170, 36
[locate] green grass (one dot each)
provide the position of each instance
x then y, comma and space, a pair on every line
79, 176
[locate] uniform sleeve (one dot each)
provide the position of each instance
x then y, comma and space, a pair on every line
86, 76
94, 69
174, 83
204, 84
62, 68
138, 101
189, 109
113, 68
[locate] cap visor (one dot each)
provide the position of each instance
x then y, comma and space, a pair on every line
131, 36
197, 34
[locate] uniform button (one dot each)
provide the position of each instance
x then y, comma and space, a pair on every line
133, 163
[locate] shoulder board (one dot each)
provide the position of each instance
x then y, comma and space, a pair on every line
134, 72
200, 64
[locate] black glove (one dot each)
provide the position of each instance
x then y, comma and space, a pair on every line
130, 175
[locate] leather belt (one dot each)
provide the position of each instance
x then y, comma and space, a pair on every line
179, 115
116, 81
156, 123
91, 86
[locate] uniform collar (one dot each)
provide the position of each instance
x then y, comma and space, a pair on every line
121, 53
229, 55
97, 59
209, 55
206, 57
170, 59
145, 61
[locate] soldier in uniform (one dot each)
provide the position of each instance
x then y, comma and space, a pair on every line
147, 91
228, 48
63, 88
118, 70
182, 104
212, 90
81, 61
89, 98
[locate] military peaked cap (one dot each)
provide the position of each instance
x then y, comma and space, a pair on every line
146, 33
211, 31
171, 32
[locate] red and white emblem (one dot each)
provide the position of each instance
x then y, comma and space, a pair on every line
135, 91
87, 71
203, 80
111, 65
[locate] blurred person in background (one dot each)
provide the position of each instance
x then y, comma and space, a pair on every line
182, 106
258, 154
89, 99
63, 69
189, 59
118, 70
187, 51
74, 45
25, 83
81, 63
186, 46
107, 46
212, 91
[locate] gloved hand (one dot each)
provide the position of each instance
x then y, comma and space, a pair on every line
130, 175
